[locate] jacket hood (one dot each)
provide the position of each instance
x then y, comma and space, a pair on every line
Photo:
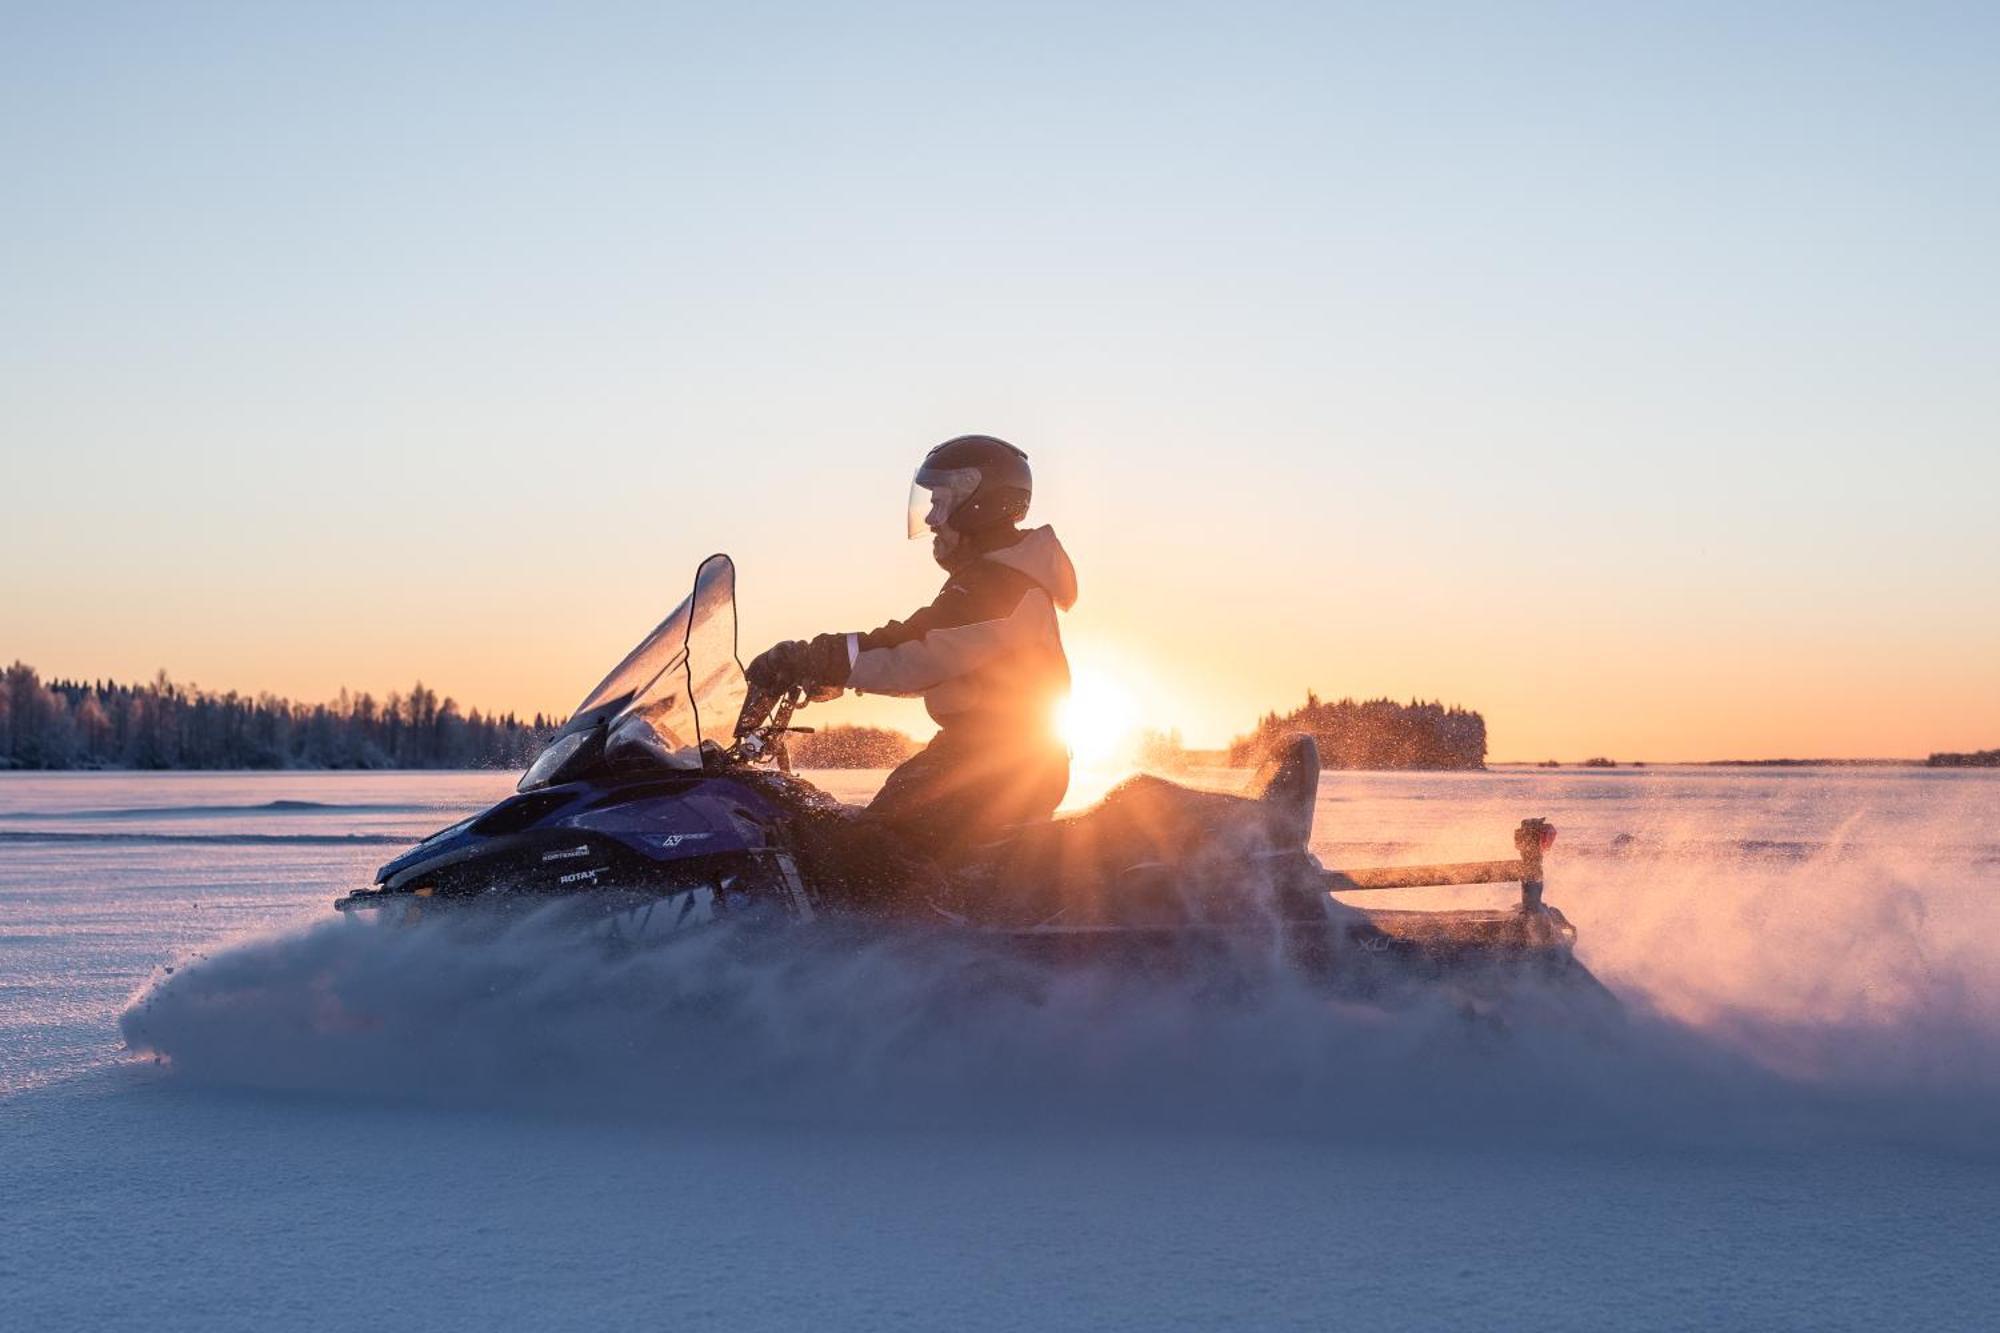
1041, 557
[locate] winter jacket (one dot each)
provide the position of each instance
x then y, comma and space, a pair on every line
987, 650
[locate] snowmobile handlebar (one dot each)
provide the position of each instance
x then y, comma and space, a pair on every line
765, 721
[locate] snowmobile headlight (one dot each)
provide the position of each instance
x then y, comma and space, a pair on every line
551, 760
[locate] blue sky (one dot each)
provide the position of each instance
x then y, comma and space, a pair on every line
1625, 371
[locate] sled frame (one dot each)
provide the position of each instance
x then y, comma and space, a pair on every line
1531, 840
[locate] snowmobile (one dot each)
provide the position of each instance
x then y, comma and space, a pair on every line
667, 802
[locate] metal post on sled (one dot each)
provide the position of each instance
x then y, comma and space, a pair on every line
1531, 840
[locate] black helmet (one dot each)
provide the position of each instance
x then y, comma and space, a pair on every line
969, 484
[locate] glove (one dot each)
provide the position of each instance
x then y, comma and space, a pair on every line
778, 667
818, 665
827, 664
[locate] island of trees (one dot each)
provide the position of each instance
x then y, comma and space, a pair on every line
1976, 759
1375, 733
84, 724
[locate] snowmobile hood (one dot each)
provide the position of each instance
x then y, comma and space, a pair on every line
1041, 557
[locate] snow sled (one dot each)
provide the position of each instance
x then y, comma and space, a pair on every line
667, 803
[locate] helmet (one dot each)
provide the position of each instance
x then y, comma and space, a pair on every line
969, 484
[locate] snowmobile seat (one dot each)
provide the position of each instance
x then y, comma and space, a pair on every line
1155, 852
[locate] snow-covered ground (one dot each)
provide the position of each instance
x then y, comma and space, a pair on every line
1795, 1127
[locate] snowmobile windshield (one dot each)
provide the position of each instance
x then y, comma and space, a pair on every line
674, 695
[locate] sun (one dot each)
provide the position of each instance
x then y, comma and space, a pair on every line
1100, 719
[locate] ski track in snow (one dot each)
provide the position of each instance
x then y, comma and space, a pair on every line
352, 1125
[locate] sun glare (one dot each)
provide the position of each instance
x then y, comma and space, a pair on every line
1100, 718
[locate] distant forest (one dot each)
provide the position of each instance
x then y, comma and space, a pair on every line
66, 724
79, 724
1977, 759
851, 747
1376, 733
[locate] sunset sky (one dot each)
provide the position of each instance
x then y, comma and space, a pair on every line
1628, 373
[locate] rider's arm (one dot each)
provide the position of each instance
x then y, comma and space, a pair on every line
982, 613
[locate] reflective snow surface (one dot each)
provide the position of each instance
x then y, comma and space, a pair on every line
312, 1123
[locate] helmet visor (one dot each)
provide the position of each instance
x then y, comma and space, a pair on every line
936, 495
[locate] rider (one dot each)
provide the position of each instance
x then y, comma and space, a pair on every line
986, 655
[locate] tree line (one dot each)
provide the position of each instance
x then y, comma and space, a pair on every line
1974, 759
1373, 733
851, 747
64, 724
100, 724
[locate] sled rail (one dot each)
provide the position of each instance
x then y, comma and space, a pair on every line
1531, 840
